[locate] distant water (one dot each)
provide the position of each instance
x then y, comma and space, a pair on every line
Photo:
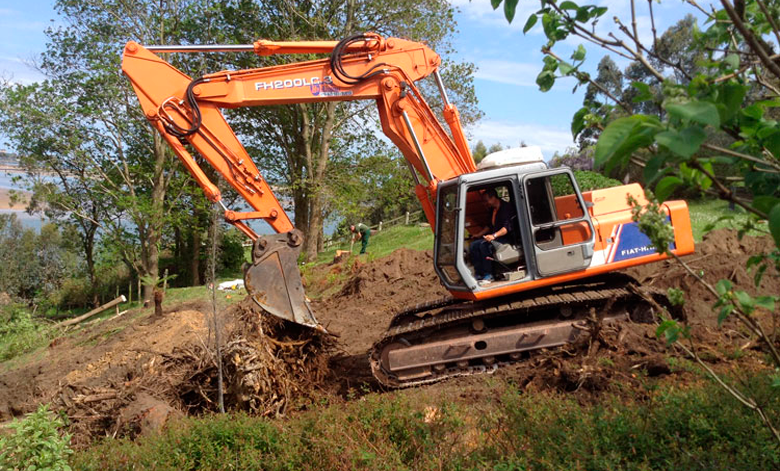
35, 222
5, 180
30, 221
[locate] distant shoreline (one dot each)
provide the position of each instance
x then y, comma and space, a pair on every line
19, 205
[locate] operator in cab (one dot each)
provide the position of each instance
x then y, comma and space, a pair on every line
498, 231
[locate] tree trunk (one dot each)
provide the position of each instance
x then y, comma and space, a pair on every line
152, 230
158, 300
89, 255
195, 256
312, 236
316, 175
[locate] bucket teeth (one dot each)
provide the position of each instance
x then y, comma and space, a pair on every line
274, 282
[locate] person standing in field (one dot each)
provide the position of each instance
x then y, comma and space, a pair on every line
362, 233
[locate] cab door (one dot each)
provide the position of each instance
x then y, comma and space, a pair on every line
562, 232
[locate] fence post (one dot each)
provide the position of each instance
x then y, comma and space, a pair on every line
407, 219
380, 226
130, 291
165, 281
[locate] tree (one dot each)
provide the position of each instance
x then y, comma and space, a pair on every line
479, 151
39, 123
724, 83
609, 81
116, 174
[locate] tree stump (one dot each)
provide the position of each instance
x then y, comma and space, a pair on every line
158, 299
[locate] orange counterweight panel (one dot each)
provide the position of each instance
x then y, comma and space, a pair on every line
610, 200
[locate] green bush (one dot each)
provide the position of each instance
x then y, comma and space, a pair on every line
696, 428
231, 251
20, 332
588, 180
35, 443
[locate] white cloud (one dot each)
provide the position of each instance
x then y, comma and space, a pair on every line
549, 138
513, 73
15, 70
482, 12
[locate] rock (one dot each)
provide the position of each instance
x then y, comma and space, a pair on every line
147, 414
657, 366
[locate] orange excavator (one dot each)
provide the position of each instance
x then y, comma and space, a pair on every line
554, 268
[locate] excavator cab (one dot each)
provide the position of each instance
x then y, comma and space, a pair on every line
552, 230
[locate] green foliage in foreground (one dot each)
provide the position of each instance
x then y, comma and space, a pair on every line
699, 428
35, 443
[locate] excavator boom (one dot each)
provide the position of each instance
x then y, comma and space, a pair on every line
187, 113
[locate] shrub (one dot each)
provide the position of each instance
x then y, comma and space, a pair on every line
586, 180
36, 443
19, 332
231, 251
700, 427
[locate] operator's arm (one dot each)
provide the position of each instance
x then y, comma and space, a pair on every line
499, 233
503, 222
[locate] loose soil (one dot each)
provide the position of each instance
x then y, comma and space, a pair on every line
128, 375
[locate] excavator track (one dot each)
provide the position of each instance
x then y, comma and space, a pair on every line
448, 338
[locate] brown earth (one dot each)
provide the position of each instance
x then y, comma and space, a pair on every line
143, 369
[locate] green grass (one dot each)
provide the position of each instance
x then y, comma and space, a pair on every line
692, 427
21, 333
384, 242
717, 213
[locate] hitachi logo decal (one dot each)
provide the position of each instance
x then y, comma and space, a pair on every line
637, 250
289, 83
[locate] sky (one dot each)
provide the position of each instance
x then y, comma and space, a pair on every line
508, 62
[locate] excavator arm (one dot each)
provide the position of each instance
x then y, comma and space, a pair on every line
187, 113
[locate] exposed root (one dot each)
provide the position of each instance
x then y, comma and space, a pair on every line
268, 364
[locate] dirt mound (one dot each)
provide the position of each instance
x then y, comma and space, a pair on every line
121, 379
362, 310
618, 360
721, 255
98, 357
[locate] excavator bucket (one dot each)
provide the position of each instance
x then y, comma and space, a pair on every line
274, 282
